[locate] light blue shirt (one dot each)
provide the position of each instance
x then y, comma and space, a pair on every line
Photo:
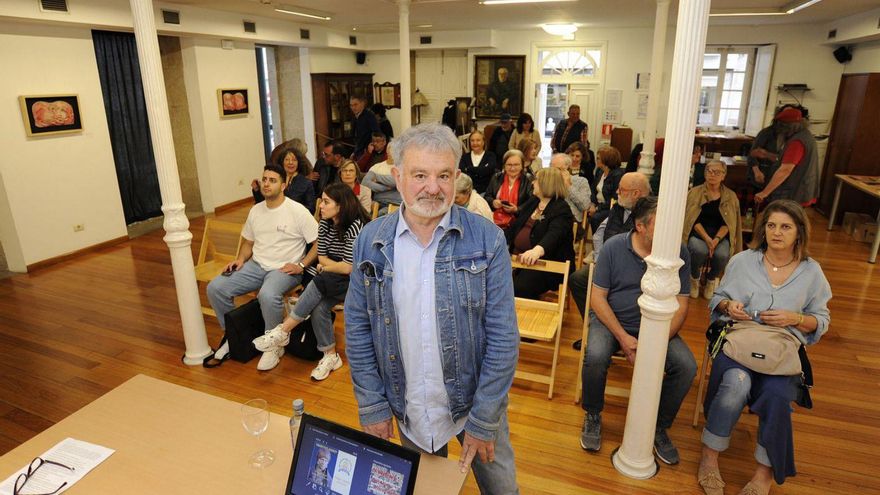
428, 418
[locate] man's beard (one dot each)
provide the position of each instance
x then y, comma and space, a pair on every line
422, 207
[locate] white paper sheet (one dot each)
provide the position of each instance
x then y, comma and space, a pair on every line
81, 456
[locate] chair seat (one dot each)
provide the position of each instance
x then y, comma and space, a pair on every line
537, 320
208, 270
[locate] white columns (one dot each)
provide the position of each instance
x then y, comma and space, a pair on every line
178, 236
405, 83
660, 284
646, 164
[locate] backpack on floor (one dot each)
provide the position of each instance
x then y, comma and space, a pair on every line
303, 343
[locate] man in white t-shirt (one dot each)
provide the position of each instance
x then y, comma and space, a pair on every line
272, 257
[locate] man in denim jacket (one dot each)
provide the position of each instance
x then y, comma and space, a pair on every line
431, 331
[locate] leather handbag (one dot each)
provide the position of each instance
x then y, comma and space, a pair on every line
331, 284
763, 348
243, 325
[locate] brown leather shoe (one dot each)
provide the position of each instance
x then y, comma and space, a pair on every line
710, 480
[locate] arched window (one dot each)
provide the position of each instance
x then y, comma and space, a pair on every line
569, 62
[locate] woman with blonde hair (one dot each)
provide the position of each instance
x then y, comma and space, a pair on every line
350, 175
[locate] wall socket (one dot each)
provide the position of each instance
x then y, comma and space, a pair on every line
79, 227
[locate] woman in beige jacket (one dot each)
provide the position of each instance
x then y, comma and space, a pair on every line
712, 227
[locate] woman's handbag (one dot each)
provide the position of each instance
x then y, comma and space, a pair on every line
763, 348
331, 284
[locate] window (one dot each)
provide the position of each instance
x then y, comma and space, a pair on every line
725, 86
569, 62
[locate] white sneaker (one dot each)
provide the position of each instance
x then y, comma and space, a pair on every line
270, 359
709, 290
695, 288
274, 337
328, 363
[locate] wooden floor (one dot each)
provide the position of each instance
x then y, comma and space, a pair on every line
73, 331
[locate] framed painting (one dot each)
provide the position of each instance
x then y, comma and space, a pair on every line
50, 114
388, 94
498, 85
232, 102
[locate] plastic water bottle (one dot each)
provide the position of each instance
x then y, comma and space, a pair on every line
296, 419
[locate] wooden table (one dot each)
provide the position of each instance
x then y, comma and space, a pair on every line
866, 184
170, 439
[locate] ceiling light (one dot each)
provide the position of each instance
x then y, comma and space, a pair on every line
504, 2
740, 13
566, 30
794, 7
284, 9
425, 26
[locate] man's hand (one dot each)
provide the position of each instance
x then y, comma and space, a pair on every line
628, 345
370, 148
255, 186
291, 269
471, 446
383, 429
234, 266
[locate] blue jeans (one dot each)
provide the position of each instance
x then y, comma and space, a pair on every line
272, 284
700, 252
493, 478
312, 302
681, 367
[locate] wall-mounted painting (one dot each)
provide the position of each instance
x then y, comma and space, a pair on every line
50, 114
232, 102
498, 84
387, 94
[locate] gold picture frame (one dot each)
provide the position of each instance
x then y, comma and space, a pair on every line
50, 115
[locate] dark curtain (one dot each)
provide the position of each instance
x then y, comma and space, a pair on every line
116, 54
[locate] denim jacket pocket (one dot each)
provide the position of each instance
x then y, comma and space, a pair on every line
470, 280
372, 281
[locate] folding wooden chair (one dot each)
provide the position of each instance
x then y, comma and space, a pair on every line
580, 246
220, 245
392, 208
318, 210
618, 356
542, 320
703, 374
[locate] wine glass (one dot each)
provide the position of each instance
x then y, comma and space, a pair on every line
255, 419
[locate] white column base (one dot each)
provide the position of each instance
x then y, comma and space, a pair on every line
640, 470
646, 163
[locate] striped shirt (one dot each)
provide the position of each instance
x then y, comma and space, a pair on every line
329, 245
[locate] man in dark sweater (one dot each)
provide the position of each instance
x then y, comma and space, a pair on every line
364, 124
499, 143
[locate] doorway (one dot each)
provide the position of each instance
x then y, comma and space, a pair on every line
553, 102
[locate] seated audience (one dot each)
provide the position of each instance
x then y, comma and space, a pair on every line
508, 189
479, 164
382, 184
712, 227
466, 197
296, 143
542, 230
578, 198
774, 283
350, 175
270, 259
615, 318
297, 186
342, 217
327, 166
375, 152
499, 143
604, 184
525, 129
530, 151
583, 161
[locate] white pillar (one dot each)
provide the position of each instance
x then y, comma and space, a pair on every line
405, 83
178, 236
646, 164
661, 284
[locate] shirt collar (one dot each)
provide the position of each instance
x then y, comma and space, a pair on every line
403, 227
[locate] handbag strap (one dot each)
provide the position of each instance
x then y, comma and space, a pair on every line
211, 362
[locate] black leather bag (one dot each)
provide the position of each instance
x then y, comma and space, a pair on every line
331, 284
243, 325
303, 343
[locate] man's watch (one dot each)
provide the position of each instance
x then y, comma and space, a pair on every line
300, 264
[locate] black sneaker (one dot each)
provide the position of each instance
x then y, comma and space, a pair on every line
664, 448
591, 435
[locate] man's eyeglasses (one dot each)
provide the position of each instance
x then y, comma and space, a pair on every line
36, 464
714, 171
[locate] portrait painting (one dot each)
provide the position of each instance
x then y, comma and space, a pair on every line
498, 85
50, 114
232, 102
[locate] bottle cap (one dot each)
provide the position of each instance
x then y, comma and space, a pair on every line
298, 405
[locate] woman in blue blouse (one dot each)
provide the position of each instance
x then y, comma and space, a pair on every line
298, 188
775, 283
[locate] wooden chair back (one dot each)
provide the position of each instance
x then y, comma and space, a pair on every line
221, 243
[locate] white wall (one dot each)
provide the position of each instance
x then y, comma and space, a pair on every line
54, 182
866, 58
229, 152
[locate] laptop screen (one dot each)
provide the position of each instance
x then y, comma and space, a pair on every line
331, 459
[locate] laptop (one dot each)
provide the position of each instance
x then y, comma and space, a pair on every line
332, 459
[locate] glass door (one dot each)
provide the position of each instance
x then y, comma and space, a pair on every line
552, 106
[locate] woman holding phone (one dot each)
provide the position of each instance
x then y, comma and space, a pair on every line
508, 189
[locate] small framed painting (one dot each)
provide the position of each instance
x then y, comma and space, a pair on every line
232, 102
50, 114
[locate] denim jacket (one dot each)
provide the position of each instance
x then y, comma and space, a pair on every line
479, 336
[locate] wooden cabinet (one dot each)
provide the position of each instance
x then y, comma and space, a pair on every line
855, 132
331, 94
727, 145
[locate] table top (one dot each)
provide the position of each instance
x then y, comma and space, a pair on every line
171, 439
866, 183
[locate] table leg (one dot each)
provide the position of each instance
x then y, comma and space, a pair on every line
834, 204
876, 244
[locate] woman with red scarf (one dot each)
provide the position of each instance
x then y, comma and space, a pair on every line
350, 175
508, 189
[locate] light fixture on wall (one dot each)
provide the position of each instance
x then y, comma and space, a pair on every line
799, 5
419, 101
787, 9
566, 30
311, 14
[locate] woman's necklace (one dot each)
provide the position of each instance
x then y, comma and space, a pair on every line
776, 268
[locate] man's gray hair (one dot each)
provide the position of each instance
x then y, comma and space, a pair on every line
464, 184
564, 157
433, 137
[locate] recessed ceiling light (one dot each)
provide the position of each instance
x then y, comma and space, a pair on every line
286, 9
504, 2
744, 13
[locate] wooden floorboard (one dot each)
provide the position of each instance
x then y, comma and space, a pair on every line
74, 330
